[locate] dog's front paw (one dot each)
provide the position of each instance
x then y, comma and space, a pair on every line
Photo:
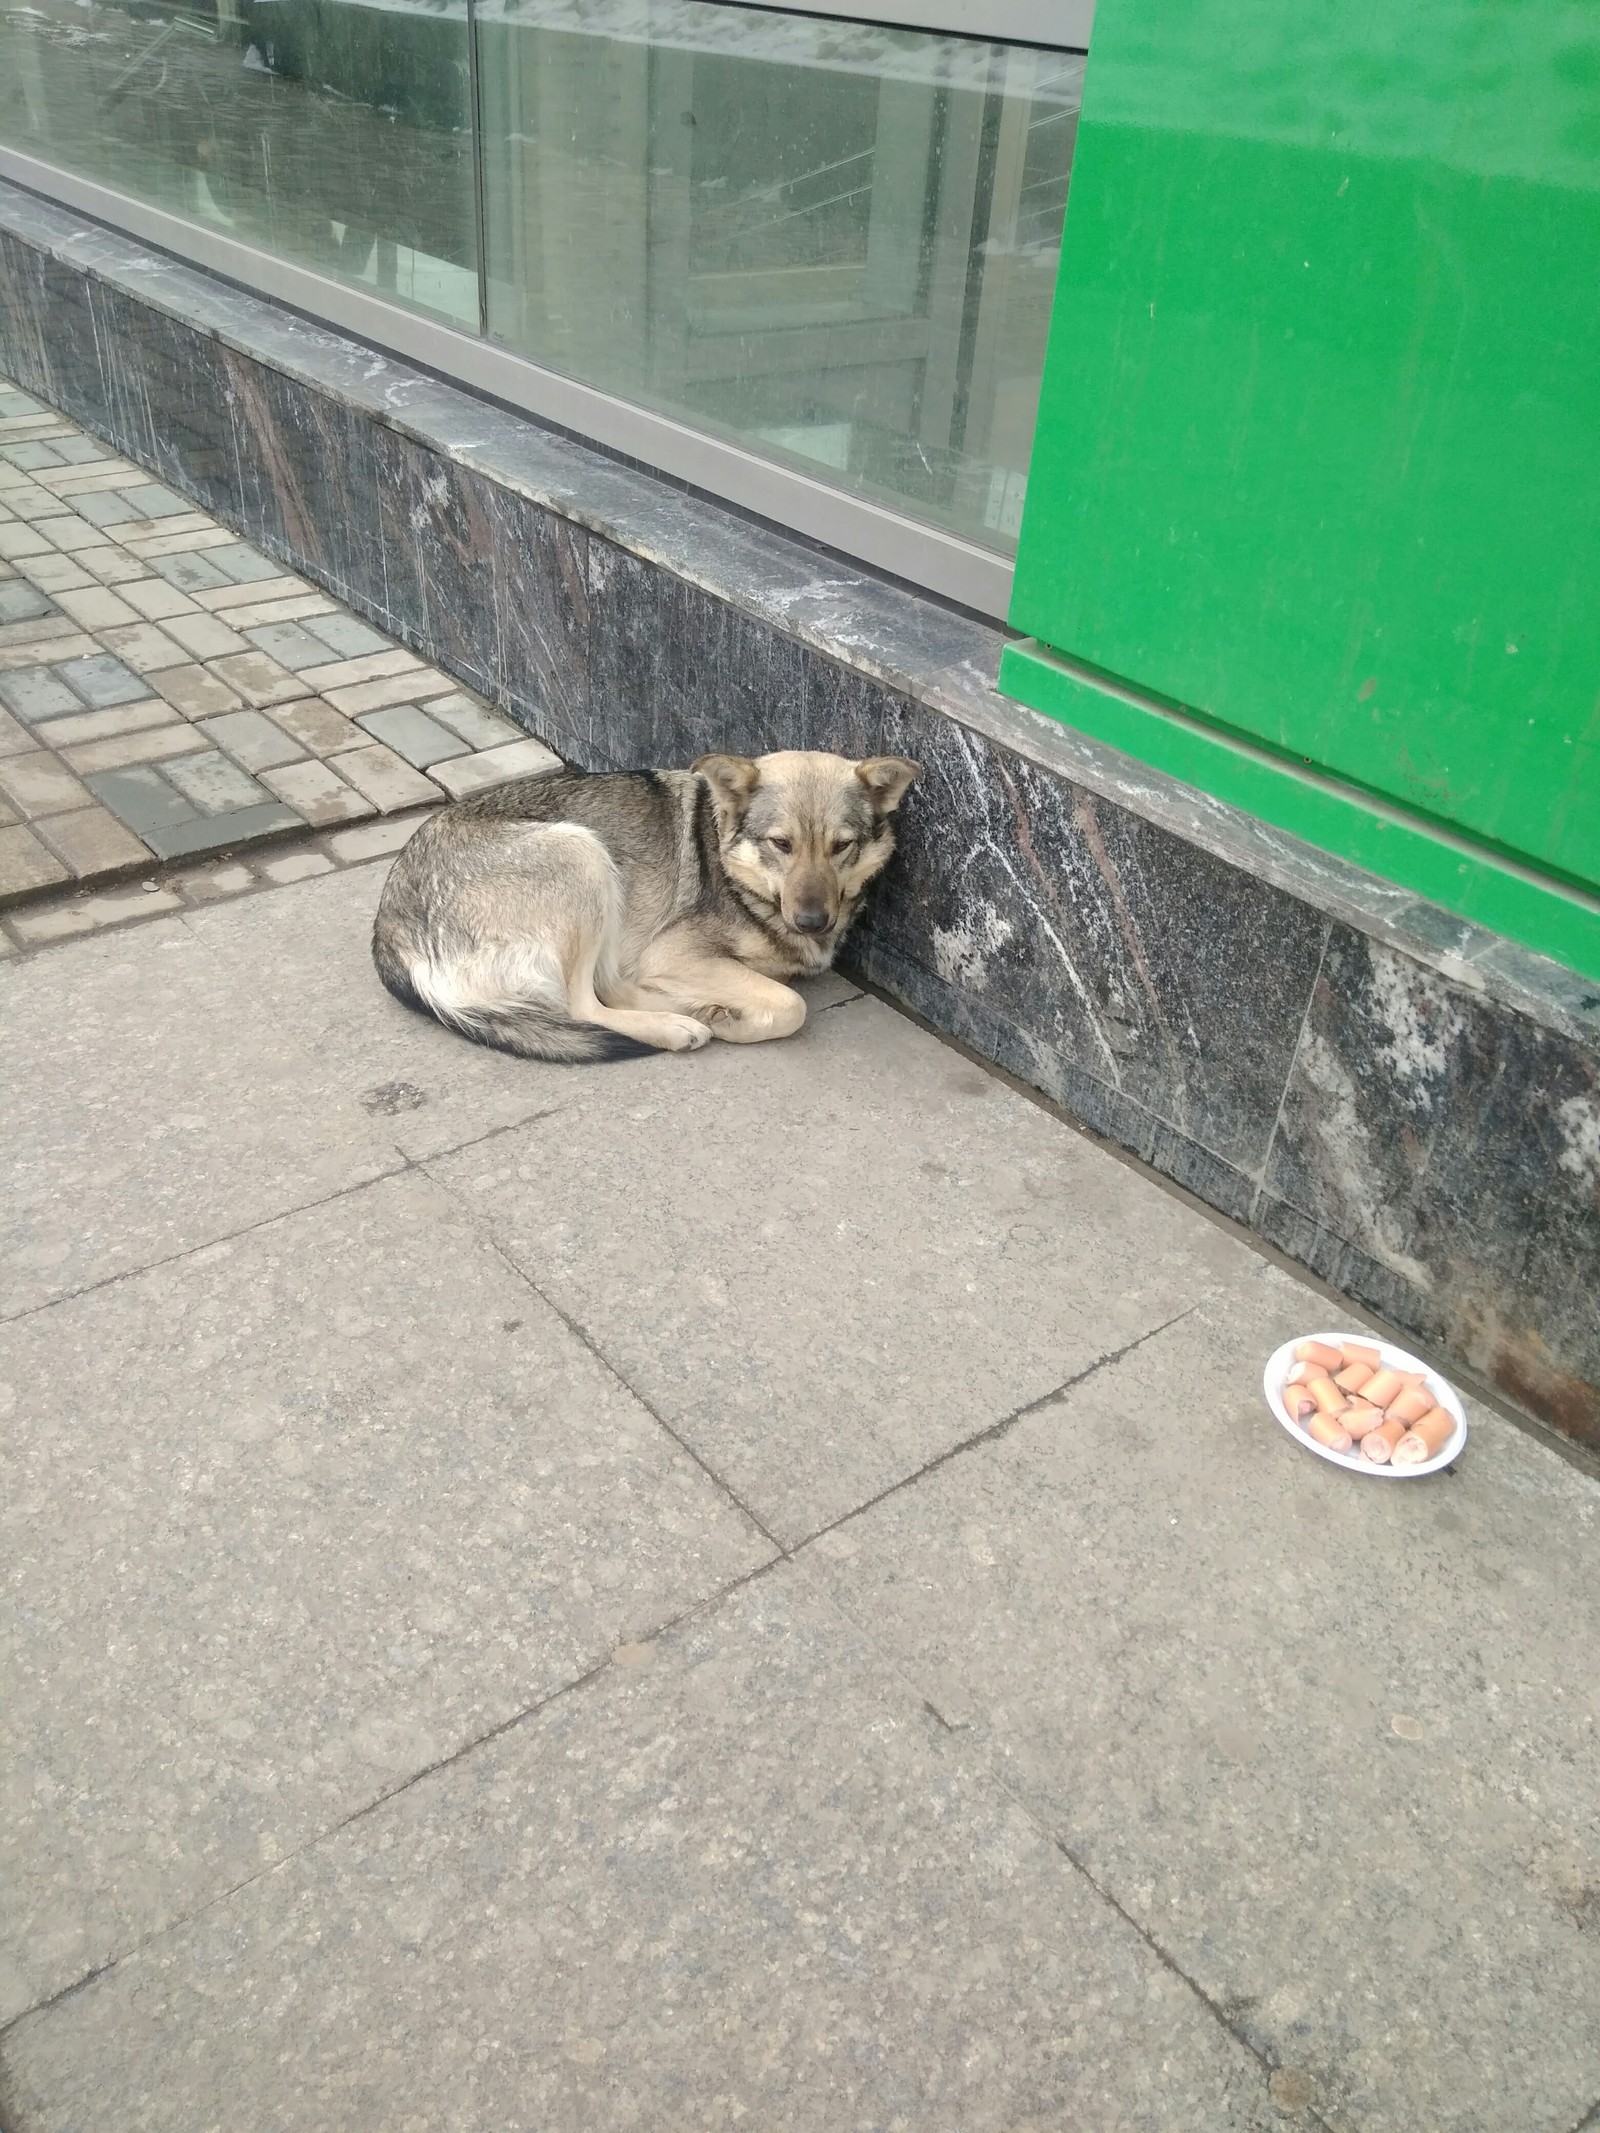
682, 1033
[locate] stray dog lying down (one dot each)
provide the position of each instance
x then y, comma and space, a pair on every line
571, 917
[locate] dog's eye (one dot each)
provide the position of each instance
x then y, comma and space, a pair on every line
841, 845
781, 844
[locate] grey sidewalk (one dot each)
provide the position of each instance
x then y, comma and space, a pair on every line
747, 1589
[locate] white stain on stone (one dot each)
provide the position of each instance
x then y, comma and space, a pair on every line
961, 953
1578, 1123
1350, 1166
1423, 1022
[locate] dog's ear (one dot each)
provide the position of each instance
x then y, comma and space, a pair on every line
732, 778
888, 778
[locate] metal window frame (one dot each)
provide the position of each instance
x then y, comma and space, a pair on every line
1059, 25
922, 554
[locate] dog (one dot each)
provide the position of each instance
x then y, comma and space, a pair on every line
576, 917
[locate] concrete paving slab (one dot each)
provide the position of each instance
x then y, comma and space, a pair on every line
151, 1106
307, 949
1324, 1739
739, 1878
296, 1517
828, 1260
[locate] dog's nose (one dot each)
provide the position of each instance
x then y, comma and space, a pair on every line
812, 919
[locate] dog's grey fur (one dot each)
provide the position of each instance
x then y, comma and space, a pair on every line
570, 917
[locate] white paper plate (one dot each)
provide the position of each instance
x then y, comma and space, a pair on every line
1281, 1362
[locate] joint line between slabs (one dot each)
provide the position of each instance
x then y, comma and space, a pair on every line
585, 1341
590, 1674
402, 1165
993, 1431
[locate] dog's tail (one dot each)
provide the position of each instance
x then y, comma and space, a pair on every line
530, 1020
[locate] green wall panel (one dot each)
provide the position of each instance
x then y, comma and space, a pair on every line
1319, 445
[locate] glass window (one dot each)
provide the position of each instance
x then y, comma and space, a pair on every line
333, 134
831, 242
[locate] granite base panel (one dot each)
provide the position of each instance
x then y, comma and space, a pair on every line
1402, 1103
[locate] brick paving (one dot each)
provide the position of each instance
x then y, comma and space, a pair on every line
167, 691
43, 921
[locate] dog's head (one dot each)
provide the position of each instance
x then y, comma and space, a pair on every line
803, 834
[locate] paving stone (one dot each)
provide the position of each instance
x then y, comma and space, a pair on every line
296, 866
77, 644
155, 599
80, 450
411, 733
744, 1881
180, 543
350, 638
19, 539
475, 773
92, 841
102, 681
216, 785
22, 602
8, 814
388, 781
211, 884
204, 636
316, 791
111, 473
246, 565
137, 535
157, 502
267, 613
35, 693
108, 507
228, 597
31, 456
54, 573
88, 914
152, 746
145, 647
252, 740
372, 841
98, 607
40, 630
258, 679
290, 645
190, 573
503, 1511
25, 864
376, 666
141, 798
477, 726
397, 689
41, 508
17, 740
194, 692
318, 726
223, 832
75, 534
111, 566
104, 725
40, 784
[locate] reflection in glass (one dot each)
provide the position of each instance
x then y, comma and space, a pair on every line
335, 135
833, 242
